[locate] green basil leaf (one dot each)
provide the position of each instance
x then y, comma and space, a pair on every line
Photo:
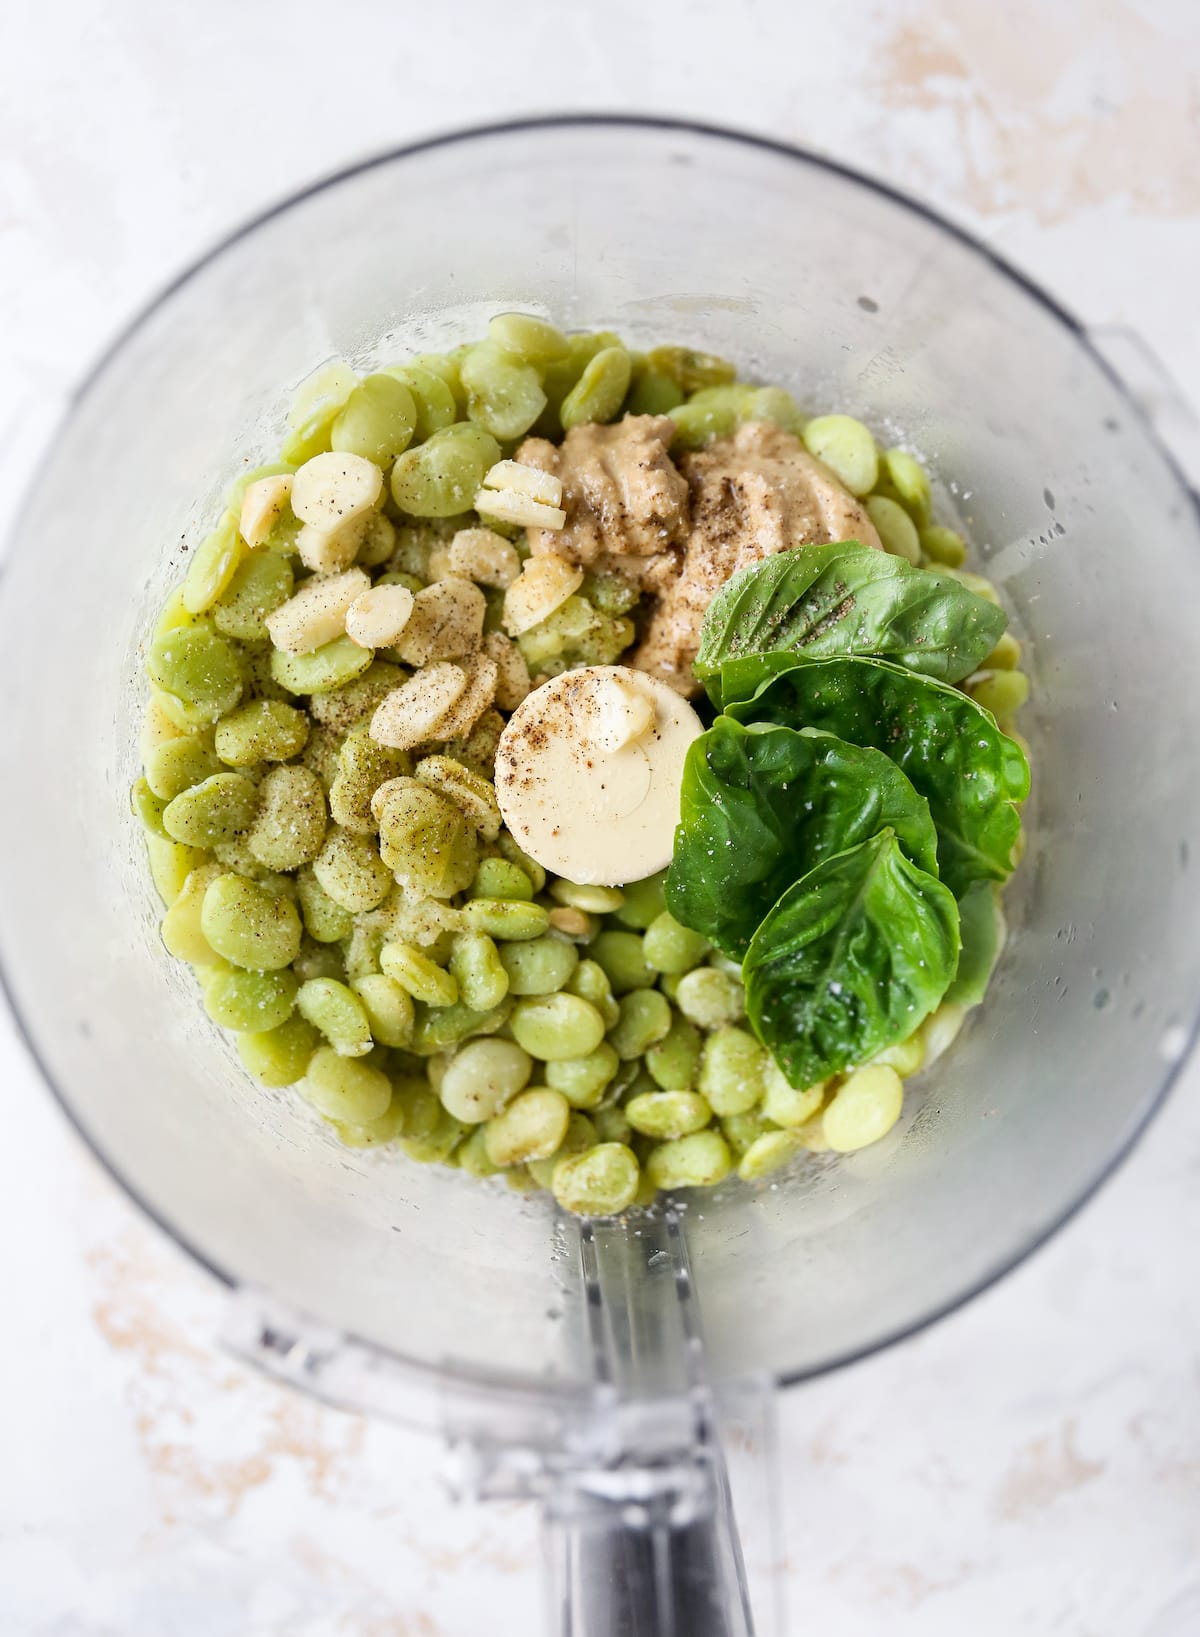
819, 602
950, 748
850, 960
983, 930
760, 805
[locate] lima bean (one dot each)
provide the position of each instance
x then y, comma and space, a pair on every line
624, 961
440, 477
508, 918
389, 1008
377, 420
250, 925
212, 567
344, 1089
326, 668
263, 730
250, 1001
432, 398
863, 1109
599, 391
674, 1061
671, 947
424, 979
538, 966
171, 864
504, 396
181, 928
579, 1136
349, 868
324, 920
602, 1181
334, 1009
554, 1027
279, 1056
584, 1080
695, 1161
668, 1114
262, 583
481, 975
530, 1127
214, 810
497, 878
289, 826
644, 1020
482, 1077
197, 667
731, 1070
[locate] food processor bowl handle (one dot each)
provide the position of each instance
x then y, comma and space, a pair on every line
643, 1472
641, 1540
650, 1552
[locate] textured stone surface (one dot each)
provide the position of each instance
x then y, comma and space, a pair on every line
1031, 1465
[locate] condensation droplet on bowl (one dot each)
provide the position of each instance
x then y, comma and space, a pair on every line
1173, 1042
1101, 999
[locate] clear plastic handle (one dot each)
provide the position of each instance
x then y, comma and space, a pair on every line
642, 1477
645, 1543
660, 1557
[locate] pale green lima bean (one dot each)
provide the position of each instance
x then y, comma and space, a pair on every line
530, 1127
289, 826
389, 1008
555, 1027
709, 998
645, 1019
280, 1056
602, 1181
668, 1114
482, 1077
538, 966
476, 965
696, 1161
507, 918
583, 1081
344, 1089
424, 979
623, 958
497, 878
214, 810
264, 730
339, 1014
731, 1070
250, 925
249, 1001
672, 948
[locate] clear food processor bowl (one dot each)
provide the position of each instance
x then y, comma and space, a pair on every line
857, 301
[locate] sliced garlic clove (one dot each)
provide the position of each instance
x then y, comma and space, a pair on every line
543, 585
262, 507
317, 613
376, 618
332, 487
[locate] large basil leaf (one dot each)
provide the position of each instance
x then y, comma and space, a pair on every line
819, 602
850, 960
761, 805
983, 931
951, 750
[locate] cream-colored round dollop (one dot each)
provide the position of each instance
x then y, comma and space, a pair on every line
588, 773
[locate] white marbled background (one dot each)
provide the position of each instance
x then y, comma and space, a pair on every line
1033, 1464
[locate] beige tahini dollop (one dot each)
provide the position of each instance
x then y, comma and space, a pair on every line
679, 532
